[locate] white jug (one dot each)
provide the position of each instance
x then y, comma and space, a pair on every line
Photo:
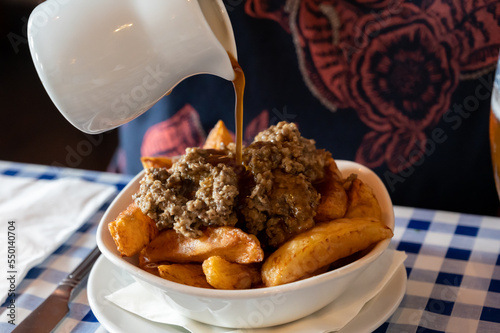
105, 62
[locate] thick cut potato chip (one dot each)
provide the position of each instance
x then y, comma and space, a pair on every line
189, 274
222, 274
320, 246
333, 203
156, 162
218, 135
362, 201
319, 271
132, 231
332, 170
230, 243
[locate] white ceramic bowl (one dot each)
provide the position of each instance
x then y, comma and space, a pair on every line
254, 307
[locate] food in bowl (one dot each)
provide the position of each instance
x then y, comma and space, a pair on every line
210, 299
285, 212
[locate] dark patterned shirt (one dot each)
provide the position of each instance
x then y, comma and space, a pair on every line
402, 87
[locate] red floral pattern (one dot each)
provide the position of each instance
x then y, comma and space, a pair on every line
395, 62
475, 23
172, 136
402, 83
378, 4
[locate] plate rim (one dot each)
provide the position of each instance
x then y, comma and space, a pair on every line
398, 279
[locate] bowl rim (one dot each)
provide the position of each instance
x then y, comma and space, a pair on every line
108, 248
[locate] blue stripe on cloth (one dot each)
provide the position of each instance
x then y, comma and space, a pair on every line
62, 249
466, 231
34, 273
449, 279
84, 228
47, 176
10, 172
495, 286
419, 225
439, 306
409, 247
49, 274
382, 328
459, 254
120, 186
7, 301
89, 317
89, 178
490, 314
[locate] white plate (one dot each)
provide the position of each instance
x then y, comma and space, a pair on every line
105, 278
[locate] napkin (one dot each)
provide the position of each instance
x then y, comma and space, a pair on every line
138, 300
37, 216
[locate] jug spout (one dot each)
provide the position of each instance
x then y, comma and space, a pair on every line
105, 62
218, 20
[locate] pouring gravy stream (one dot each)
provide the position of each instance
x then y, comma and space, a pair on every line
239, 87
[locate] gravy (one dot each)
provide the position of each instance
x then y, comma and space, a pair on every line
239, 87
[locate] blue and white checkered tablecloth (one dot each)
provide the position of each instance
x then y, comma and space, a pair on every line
453, 266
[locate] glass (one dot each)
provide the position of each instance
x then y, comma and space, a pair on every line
495, 128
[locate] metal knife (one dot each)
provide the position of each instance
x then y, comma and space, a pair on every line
48, 314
